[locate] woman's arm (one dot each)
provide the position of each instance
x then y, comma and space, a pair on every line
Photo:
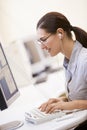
52, 101
75, 104
62, 105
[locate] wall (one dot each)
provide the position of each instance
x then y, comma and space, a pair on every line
18, 18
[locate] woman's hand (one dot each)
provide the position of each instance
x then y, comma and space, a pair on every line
59, 104
50, 108
50, 105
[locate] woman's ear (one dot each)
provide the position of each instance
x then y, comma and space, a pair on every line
60, 36
60, 32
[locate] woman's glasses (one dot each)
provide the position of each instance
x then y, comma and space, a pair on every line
43, 40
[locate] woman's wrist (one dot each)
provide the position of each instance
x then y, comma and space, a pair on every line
63, 99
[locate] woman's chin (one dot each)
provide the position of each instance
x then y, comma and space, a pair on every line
51, 54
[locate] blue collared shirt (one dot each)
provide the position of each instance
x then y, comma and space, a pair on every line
76, 73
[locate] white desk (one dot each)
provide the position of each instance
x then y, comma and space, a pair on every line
32, 97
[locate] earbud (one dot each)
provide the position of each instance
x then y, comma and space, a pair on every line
60, 35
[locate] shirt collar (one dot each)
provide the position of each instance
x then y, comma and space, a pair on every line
71, 64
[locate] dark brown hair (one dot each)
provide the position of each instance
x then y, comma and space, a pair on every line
54, 20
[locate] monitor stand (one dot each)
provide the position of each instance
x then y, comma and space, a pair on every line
11, 125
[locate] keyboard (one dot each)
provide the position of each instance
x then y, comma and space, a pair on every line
36, 116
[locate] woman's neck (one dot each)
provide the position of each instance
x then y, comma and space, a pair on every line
67, 47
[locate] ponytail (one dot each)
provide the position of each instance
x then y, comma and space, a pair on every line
81, 35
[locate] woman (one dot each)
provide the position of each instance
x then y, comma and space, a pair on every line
54, 35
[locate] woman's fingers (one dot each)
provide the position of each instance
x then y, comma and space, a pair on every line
44, 105
48, 106
54, 107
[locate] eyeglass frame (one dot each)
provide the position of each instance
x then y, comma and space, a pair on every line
41, 41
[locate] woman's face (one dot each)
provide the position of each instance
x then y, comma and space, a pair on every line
48, 41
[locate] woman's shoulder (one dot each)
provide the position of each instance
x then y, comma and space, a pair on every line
82, 60
83, 54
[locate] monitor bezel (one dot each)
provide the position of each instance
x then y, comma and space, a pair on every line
16, 93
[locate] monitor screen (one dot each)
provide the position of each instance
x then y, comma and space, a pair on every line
8, 88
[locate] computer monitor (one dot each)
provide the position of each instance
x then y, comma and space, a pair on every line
8, 88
